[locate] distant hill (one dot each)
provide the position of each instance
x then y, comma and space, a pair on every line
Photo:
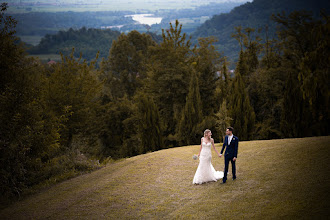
85, 41
33, 24
254, 14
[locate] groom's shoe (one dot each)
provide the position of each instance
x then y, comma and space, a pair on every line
223, 182
234, 178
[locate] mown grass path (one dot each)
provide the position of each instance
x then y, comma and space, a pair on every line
287, 178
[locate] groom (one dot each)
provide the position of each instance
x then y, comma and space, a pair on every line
231, 144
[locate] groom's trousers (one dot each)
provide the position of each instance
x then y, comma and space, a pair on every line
233, 165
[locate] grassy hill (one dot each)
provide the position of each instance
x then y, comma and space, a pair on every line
287, 178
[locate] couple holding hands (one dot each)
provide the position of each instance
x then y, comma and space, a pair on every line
205, 171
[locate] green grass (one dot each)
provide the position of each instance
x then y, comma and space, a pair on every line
287, 178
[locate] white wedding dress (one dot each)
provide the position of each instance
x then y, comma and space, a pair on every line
205, 171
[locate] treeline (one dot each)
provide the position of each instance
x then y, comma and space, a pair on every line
42, 23
87, 42
58, 120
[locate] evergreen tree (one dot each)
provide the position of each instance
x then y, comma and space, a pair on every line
117, 132
29, 132
242, 66
168, 77
150, 131
74, 84
250, 50
304, 41
223, 120
253, 48
207, 64
240, 109
296, 117
191, 115
223, 84
126, 63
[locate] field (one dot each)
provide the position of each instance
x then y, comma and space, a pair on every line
109, 5
46, 57
31, 39
287, 178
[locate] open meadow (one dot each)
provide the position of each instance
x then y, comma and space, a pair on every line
286, 178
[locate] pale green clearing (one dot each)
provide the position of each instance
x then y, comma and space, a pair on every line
31, 39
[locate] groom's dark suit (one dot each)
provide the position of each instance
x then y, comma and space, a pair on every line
231, 152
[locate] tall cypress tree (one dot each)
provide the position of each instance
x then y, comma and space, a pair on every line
240, 109
191, 115
223, 83
242, 66
305, 43
150, 130
295, 118
222, 120
207, 60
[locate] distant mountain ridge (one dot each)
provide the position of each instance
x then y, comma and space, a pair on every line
256, 14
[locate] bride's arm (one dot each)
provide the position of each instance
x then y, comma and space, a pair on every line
200, 148
215, 148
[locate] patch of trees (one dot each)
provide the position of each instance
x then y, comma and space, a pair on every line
87, 42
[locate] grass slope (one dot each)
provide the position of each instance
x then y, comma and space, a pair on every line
275, 179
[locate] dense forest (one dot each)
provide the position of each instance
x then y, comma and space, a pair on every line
86, 42
256, 14
60, 120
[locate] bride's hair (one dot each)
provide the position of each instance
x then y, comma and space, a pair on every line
206, 132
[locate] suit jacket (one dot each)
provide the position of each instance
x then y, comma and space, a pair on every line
232, 148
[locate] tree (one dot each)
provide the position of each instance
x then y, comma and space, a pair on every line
127, 61
253, 48
295, 118
10, 52
29, 133
248, 58
304, 42
222, 119
168, 77
207, 63
118, 130
191, 115
149, 124
74, 84
223, 84
240, 109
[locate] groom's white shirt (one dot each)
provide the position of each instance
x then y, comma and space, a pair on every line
229, 138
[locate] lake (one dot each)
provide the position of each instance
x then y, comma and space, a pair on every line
145, 19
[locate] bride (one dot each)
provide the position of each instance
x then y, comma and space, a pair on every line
205, 171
